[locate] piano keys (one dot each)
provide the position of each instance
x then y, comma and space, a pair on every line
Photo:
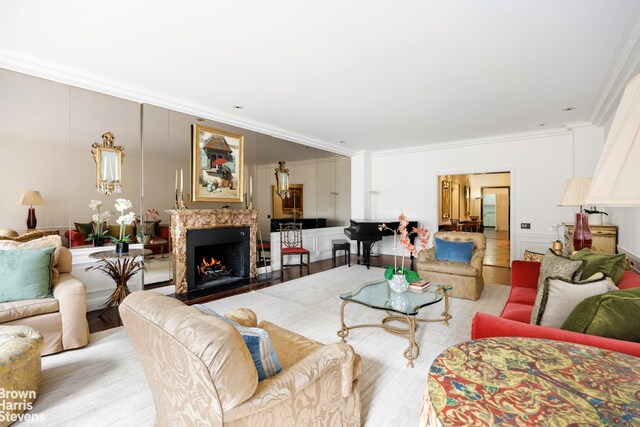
367, 232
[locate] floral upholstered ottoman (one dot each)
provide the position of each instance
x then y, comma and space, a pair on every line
526, 381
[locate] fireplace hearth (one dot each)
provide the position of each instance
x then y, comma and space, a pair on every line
217, 256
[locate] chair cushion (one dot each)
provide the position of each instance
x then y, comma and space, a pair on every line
561, 296
454, 251
610, 315
259, 344
25, 274
610, 265
522, 295
449, 267
517, 311
15, 310
294, 251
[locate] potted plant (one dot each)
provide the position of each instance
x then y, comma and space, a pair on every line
557, 245
399, 277
122, 241
99, 233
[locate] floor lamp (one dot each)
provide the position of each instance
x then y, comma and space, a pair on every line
575, 194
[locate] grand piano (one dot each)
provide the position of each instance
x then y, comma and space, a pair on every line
366, 231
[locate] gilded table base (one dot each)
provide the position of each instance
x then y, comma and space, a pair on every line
407, 328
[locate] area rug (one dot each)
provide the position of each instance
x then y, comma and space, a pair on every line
103, 383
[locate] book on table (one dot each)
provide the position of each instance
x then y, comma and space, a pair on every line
419, 286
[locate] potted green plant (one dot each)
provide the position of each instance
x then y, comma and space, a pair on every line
122, 241
99, 233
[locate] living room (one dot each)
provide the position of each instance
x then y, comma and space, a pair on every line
366, 120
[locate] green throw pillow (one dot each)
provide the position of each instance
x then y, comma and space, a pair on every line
129, 230
610, 315
85, 229
25, 274
610, 265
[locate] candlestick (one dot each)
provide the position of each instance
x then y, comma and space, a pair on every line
176, 205
176, 186
250, 185
181, 181
182, 205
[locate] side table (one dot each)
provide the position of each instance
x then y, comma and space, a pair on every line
121, 268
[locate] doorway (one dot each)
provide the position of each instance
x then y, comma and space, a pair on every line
495, 214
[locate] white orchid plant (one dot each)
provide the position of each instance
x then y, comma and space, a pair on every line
123, 220
99, 218
557, 228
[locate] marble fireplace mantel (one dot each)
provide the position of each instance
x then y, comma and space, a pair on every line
191, 219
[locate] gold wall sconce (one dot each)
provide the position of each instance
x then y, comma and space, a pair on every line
282, 180
108, 158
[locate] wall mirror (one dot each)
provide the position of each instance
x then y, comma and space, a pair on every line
455, 200
446, 197
108, 158
467, 198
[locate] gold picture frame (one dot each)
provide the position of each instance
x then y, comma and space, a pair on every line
446, 197
216, 165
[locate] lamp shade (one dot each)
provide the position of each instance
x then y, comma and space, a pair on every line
615, 182
575, 192
31, 197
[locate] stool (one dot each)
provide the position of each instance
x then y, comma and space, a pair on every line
340, 245
19, 368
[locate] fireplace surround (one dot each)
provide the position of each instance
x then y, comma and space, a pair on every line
191, 220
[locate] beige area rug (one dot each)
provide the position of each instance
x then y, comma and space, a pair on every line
103, 383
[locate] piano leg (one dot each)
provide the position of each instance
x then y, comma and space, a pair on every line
366, 251
358, 246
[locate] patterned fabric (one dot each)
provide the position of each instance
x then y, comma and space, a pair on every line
200, 372
19, 368
554, 266
257, 341
525, 381
532, 256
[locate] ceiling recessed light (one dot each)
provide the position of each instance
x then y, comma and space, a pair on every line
237, 107
342, 141
569, 109
200, 119
542, 124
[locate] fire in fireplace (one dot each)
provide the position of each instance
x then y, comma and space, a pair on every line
217, 257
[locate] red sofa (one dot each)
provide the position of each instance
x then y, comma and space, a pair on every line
515, 316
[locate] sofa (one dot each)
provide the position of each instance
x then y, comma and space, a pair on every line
466, 279
201, 373
515, 316
62, 319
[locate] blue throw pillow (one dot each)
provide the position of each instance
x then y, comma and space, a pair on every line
259, 344
447, 250
25, 274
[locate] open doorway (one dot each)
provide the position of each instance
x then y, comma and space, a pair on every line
481, 204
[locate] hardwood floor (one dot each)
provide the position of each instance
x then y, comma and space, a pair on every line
111, 319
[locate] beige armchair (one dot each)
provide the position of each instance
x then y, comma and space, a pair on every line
466, 279
201, 373
62, 320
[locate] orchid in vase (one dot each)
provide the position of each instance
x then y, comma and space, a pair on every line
123, 220
99, 219
399, 276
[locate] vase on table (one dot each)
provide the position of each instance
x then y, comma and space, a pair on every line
398, 283
122, 248
98, 241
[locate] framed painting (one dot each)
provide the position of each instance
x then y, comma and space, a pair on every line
216, 165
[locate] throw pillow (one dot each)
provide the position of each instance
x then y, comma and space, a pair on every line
25, 274
447, 250
554, 266
610, 265
561, 296
8, 232
26, 237
610, 315
152, 228
259, 344
52, 241
532, 256
129, 230
83, 228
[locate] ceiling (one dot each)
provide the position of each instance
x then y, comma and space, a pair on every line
377, 75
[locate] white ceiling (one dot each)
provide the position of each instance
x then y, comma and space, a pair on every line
378, 74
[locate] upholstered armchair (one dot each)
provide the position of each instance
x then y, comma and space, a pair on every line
201, 373
465, 278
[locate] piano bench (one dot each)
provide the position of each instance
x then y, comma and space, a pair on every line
340, 245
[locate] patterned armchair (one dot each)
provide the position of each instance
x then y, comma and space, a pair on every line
201, 373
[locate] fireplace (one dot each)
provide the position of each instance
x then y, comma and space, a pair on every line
217, 257
191, 222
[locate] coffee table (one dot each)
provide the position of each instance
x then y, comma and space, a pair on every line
400, 308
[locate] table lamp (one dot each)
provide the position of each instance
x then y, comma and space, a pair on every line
31, 198
575, 194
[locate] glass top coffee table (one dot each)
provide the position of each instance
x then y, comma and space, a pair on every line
401, 308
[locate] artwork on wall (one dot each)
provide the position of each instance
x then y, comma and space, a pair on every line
216, 165
288, 207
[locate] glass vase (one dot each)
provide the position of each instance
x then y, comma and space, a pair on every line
122, 248
398, 283
98, 241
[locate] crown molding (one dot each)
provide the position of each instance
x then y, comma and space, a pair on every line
21, 62
476, 141
624, 64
